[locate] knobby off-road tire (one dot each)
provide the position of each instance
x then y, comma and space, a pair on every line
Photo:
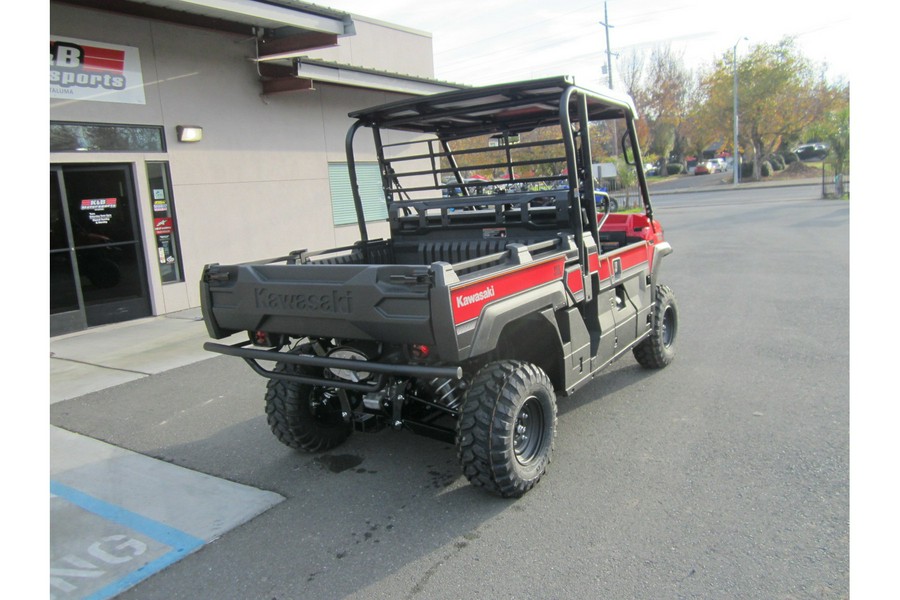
304, 417
658, 350
507, 427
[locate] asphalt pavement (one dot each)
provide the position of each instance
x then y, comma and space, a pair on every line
116, 516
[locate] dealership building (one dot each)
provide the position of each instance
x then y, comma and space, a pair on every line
186, 132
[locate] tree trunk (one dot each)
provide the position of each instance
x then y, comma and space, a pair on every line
757, 160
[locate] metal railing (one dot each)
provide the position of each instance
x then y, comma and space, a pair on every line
834, 185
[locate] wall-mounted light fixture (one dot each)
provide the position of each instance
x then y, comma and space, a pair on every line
189, 133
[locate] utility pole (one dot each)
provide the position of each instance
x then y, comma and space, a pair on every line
609, 72
609, 55
736, 155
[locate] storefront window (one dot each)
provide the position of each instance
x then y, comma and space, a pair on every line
88, 137
165, 230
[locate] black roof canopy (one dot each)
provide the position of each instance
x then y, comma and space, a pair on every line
510, 107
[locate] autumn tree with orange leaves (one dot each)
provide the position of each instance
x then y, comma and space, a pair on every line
780, 94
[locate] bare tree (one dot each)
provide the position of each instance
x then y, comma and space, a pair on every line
631, 70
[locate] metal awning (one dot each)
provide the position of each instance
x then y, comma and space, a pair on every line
271, 15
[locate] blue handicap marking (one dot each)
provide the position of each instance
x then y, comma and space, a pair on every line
122, 549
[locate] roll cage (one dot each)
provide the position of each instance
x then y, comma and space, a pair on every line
423, 174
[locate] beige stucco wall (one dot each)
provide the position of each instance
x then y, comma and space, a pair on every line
256, 186
408, 52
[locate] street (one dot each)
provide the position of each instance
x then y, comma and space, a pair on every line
724, 475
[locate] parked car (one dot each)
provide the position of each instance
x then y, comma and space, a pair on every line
453, 190
601, 197
704, 168
811, 151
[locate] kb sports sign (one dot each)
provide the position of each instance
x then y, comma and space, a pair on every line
83, 70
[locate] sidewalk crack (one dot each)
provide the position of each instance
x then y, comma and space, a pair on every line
90, 364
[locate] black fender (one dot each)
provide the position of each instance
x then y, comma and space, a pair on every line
660, 251
498, 315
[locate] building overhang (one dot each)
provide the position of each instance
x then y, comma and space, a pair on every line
301, 73
280, 26
284, 30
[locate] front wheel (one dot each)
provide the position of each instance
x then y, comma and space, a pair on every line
305, 417
507, 428
658, 349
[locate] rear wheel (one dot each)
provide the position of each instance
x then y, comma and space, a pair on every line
507, 428
658, 350
305, 417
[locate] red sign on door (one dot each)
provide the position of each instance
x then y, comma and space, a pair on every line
163, 226
98, 203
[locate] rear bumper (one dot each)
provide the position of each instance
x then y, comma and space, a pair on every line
379, 371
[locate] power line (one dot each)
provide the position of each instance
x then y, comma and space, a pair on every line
537, 66
534, 46
528, 26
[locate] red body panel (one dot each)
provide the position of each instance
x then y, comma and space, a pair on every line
634, 225
467, 301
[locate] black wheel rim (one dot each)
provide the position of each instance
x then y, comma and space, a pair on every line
668, 327
528, 435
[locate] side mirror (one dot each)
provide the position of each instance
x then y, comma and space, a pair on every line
627, 149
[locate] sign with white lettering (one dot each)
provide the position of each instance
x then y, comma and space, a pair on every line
98, 203
85, 70
163, 226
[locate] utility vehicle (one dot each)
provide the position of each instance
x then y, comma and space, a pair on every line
482, 306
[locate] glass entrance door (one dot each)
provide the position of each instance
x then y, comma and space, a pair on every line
97, 269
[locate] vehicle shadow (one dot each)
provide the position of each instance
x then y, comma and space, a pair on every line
615, 378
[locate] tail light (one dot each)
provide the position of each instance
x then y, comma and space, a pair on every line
271, 340
419, 351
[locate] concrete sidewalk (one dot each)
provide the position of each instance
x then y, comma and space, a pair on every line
102, 357
726, 184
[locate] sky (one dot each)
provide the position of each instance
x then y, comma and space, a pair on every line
493, 41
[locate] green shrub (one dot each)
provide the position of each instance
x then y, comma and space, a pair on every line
747, 169
674, 169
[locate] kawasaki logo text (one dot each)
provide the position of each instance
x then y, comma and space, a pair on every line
484, 294
335, 302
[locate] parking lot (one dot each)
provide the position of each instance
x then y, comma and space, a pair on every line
725, 475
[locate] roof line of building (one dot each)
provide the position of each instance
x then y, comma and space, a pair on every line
324, 63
